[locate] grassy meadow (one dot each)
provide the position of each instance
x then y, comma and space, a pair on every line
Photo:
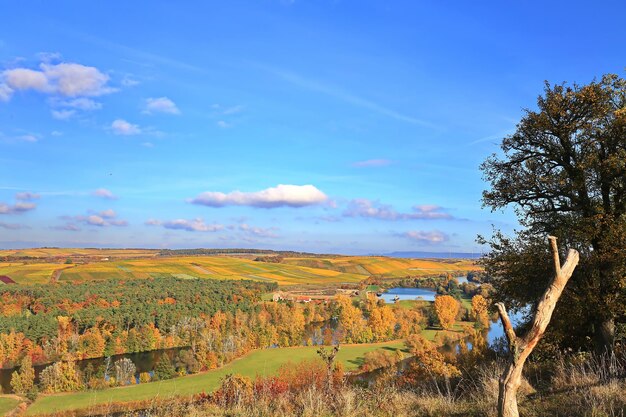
7, 404
258, 362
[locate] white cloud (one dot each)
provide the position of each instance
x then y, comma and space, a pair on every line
104, 193
103, 219
66, 79
124, 128
427, 237
27, 79
223, 124
74, 80
28, 138
161, 105
108, 214
63, 114
363, 207
17, 208
195, 225
371, 163
94, 220
282, 195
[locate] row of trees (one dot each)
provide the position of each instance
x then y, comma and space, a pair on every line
104, 318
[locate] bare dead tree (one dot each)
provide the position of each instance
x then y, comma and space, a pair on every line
520, 347
328, 356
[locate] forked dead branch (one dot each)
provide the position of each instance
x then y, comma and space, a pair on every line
520, 347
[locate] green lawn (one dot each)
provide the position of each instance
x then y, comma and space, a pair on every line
259, 362
7, 404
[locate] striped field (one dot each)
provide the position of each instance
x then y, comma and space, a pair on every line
97, 264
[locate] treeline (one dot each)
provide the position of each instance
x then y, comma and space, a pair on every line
208, 252
212, 339
103, 318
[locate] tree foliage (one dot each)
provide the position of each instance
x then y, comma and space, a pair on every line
564, 173
447, 308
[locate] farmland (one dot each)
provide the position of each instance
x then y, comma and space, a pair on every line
37, 266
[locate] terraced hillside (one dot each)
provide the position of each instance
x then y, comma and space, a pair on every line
208, 267
385, 266
38, 266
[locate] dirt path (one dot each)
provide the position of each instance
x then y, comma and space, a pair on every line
56, 274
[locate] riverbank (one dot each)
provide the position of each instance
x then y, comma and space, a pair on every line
258, 362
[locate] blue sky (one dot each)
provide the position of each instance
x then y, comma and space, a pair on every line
327, 126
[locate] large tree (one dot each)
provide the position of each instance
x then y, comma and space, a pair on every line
564, 173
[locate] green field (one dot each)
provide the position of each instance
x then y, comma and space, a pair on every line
258, 362
7, 404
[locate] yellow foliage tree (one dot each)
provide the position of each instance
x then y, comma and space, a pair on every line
479, 309
446, 307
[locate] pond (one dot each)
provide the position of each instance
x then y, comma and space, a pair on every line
428, 294
319, 333
144, 361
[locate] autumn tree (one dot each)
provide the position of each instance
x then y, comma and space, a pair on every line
480, 310
563, 173
382, 322
60, 377
446, 307
125, 371
427, 361
23, 381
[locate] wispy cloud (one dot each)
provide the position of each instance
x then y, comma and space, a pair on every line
23, 204
432, 237
258, 231
493, 138
283, 195
194, 225
373, 209
103, 218
13, 226
338, 93
124, 128
104, 193
67, 227
372, 163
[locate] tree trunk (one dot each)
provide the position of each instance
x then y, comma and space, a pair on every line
604, 336
521, 347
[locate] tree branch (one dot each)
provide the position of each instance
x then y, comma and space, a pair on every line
555, 254
508, 327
